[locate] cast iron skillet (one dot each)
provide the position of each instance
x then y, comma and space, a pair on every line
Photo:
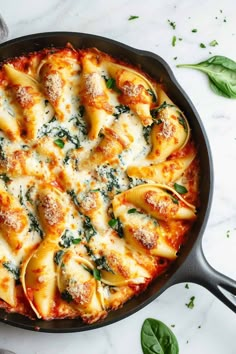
191, 265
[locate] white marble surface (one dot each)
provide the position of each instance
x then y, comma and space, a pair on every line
152, 32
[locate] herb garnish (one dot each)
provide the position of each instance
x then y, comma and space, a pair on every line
221, 72
213, 43
60, 143
157, 338
194, 30
191, 304
172, 24
180, 189
173, 42
132, 18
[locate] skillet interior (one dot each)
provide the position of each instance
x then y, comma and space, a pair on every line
158, 69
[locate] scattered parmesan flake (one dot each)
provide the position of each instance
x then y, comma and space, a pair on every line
146, 237
93, 84
132, 90
79, 291
53, 86
12, 220
23, 96
89, 202
167, 129
41, 279
51, 210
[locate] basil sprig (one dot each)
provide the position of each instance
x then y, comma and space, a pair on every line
157, 338
221, 72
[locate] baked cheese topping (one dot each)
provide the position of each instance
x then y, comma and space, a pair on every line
98, 183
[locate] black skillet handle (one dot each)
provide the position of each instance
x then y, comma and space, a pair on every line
196, 269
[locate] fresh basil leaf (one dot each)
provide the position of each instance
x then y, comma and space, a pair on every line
180, 189
221, 72
157, 338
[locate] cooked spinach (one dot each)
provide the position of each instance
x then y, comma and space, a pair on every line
88, 228
5, 178
34, 225
2, 152
59, 132
146, 133
67, 239
157, 338
65, 295
116, 225
154, 112
13, 269
100, 262
152, 94
73, 196
58, 256
79, 121
120, 109
28, 196
221, 72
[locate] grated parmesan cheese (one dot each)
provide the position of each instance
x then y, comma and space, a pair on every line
167, 129
145, 237
23, 96
132, 90
53, 86
52, 212
79, 291
161, 205
11, 220
93, 84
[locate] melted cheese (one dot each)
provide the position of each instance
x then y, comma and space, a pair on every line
83, 222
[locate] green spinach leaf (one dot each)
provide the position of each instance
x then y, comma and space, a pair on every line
157, 338
221, 72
